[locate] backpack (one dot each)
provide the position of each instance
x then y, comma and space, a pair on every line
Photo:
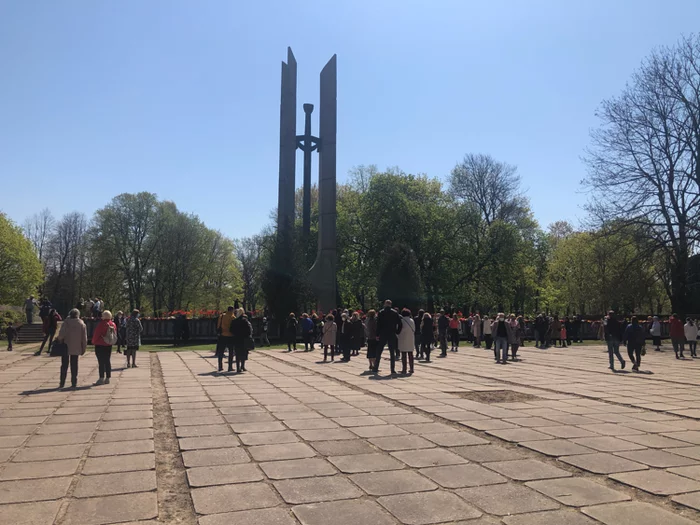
110, 338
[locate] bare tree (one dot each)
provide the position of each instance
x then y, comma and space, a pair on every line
490, 185
38, 229
644, 162
65, 252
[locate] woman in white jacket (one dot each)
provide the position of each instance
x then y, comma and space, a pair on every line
655, 332
691, 335
406, 340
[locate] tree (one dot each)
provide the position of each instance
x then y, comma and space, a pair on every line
249, 254
38, 229
20, 268
492, 186
126, 229
644, 161
399, 278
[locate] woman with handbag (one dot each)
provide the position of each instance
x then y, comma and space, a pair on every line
73, 334
104, 336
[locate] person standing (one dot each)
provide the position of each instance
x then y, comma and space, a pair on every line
388, 327
613, 336
677, 335
371, 328
357, 336
576, 329
406, 340
119, 322
290, 332
50, 323
426, 340
443, 326
134, 328
655, 332
500, 331
242, 332
454, 332
225, 340
691, 336
487, 332
11, 333
554, 330
74, 334
104, 336
44, 309
514, 336
476, 330
29, 305
330, 331
634, 338
307, 331
264, 340
417, 339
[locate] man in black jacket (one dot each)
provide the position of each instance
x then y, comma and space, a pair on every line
388, 327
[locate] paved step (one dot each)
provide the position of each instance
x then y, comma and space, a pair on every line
30, 333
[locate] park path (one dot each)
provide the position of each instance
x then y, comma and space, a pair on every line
294, 441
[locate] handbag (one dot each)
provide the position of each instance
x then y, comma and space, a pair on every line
250, 343
58, 349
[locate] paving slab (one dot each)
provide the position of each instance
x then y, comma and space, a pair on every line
39, 469
608, 444
506, 499
657, 458
229, 498
215, 456
634, 513
116, 483
527, 469
455, 439
313, 490
274, 516
117, 449
35, 513
552, 517
691, 500
46, 453
347, 512
331, 434
223, 474
108, 464
298, 468
658, 482
519, 434
357, 463
484, 453
602, 463
429, 507
577, 492
281, 452
410, 442
112, 509
461, 476
556, 447
25, 490
431, 457
392, 482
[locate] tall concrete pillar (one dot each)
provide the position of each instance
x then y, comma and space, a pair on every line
288, 146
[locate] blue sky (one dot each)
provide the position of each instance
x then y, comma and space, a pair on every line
181, 98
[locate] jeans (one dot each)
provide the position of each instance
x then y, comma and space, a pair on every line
614, 350
104, 360
73, 359
692, 345
488, 340
678, 346
443, 342
501, 349
393, 342
634, 351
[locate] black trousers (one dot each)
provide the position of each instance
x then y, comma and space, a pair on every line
104, 360
443, 342
635, 353
47, 338
73, 359
393, 343
488, 339
455, 337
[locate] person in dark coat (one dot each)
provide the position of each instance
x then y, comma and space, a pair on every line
426, 338
613, 336
417, 320
357, 336
634, 338
443, 326
242, 332
50, 322
11, 333
388, 327
307, 332
291, 332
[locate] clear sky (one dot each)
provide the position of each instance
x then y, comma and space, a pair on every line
181, 98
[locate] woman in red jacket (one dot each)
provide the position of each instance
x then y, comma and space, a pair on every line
104, 336
677, 333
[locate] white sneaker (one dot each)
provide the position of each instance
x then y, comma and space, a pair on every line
99, 382
106, 381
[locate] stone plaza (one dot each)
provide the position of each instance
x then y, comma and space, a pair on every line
556, 439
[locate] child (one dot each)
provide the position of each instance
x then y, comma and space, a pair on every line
11, 333
562, 336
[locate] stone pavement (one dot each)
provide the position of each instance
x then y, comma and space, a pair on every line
295, 441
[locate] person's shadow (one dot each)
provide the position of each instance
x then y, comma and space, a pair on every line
54, 390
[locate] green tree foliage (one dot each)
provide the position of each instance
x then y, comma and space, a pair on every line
399, 277
20, 268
